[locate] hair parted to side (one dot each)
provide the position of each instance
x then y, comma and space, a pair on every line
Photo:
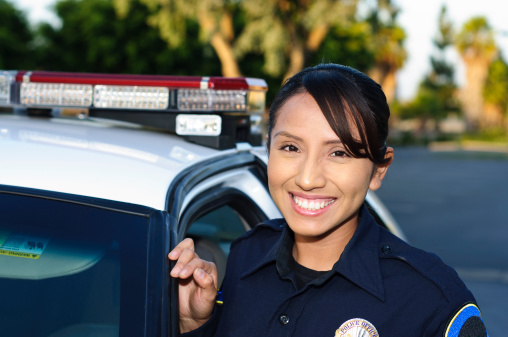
348, 99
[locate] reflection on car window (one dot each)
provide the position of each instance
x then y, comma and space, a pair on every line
213, 234
57, 282
61, 280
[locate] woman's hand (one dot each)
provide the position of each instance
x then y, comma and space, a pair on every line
197, 285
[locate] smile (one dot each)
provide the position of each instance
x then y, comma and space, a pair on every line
312, 204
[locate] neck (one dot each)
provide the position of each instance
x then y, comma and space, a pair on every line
322, 252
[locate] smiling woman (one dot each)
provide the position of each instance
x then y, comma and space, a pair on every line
326, 268
316, 183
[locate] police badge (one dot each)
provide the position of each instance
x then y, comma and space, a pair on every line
356, 327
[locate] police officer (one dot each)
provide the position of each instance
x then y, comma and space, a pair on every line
326, 268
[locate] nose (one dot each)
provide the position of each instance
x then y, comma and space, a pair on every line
310, 174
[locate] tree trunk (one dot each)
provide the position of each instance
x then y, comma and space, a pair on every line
385, 76
220, 44
471, 95
296, 60
226, 56
296, 53
316, 37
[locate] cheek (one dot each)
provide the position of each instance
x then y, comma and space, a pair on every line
352, 178
275, 173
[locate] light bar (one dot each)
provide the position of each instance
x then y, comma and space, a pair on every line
131, 97
211, 100
202, 125
6, 80
56, 94
32, 89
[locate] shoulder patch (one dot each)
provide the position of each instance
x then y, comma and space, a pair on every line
467, 322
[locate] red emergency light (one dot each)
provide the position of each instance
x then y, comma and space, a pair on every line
213, 111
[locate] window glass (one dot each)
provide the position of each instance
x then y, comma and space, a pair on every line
66, 275
213, 234
222, 226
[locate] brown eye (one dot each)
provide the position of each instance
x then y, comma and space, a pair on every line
339, 154
289, 148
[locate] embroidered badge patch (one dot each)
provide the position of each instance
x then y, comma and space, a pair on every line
467, 322
356, 327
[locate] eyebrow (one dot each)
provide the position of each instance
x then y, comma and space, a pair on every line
289, 135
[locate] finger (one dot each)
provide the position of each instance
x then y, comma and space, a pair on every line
187, 243
207, 283
208, 267
186, 256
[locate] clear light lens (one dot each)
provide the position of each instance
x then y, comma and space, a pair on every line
198, 125
212, 100
256, 101
58, 94
131, 97
6, 79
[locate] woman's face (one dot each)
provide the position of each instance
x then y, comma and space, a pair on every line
316, 185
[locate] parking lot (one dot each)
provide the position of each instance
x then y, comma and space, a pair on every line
454, 203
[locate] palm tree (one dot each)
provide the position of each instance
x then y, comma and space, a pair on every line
476, 45
387, 44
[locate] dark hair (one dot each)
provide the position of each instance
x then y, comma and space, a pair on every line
347, 98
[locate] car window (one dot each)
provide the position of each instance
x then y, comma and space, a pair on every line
220, 226
213, 234
70, 270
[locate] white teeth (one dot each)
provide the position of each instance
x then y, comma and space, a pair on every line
311, 205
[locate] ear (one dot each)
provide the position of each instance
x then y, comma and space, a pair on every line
267, 145
380, 171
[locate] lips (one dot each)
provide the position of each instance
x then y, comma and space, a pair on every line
314, 204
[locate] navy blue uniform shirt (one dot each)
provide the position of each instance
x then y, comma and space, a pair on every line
380, 286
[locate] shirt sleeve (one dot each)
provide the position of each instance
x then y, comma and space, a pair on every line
208, 329
458, 321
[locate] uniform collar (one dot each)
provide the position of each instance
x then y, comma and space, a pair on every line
359, 262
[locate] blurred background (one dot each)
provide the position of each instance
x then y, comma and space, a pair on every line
441, 64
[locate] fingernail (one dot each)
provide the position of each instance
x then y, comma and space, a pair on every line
182, 273
200, 273
175, 271
173, 254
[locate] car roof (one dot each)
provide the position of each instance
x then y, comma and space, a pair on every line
96, 158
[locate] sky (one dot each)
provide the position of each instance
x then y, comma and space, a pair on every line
417, 17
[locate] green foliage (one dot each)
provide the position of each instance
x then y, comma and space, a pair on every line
15, 38
424, 106
493, 135
495, 90
174, 36
435, 97
476, 38
387, 37
93, 39
347, 45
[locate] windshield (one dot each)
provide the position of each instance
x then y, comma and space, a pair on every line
71, 272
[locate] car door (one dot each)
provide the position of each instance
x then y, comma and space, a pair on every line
214, 203
80, 266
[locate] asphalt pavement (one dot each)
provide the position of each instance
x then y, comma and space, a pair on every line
455, 204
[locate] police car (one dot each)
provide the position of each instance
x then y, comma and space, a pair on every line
102, 175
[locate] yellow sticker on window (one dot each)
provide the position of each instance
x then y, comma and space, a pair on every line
20, 245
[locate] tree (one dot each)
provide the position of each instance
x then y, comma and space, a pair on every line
285, 32
476, 45
350, 45
112, 45
435, 98
440, 82
495, 93
15, 38
387, 44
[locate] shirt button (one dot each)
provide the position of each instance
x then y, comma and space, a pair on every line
284, 319
386, 250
